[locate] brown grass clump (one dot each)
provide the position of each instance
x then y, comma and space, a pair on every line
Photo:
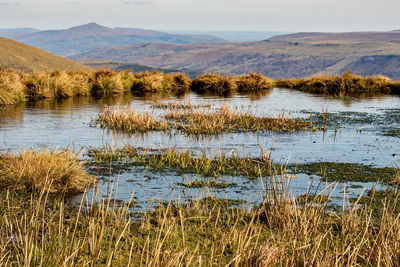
55, 84
56, 171
213, 84
11, 87
348, 84
127, 79
176, 83
80, 83
158, 82
106, 82
196, 122
130, 121
254, 82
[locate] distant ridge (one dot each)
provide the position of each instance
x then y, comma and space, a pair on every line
26, 58
284, 56
92, 36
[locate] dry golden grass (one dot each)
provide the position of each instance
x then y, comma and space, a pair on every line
254, 82
80, 83
106, 82
32, 170
130, 121
158, 82
200, 122
55, 84
11, 87
348, 84
207, 232
214, 84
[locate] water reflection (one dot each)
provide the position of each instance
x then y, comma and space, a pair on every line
64, 122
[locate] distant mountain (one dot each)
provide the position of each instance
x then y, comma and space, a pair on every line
93, 36
133, 67
236, 36
391, 36
293, 55
30, 59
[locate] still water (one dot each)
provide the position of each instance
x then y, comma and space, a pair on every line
67, 123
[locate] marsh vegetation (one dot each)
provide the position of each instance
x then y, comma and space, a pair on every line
16, 87
214, 178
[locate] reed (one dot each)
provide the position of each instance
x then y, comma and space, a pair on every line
11, 87
213, 84
57, 171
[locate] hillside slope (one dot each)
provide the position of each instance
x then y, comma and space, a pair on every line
93, 36
288, 56
30, 59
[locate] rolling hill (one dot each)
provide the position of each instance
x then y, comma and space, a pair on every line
289, 56
30, 59
92, 36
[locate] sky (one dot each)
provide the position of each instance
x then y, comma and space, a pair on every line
207, 15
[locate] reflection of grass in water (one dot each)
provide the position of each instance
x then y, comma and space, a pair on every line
342, 172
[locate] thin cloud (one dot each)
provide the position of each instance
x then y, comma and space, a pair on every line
72, 3
9, 3
139, 3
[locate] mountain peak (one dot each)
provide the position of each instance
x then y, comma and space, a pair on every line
90, 26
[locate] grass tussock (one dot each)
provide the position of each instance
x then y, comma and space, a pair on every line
348, 84
106, 82
204, 232
55, 84
254, 82
213, 84
198, 122
56, 171
130, 121
11, 87
158, 82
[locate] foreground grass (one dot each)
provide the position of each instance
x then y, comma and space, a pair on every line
206, 232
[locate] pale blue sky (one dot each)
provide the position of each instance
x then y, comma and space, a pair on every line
266, 15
